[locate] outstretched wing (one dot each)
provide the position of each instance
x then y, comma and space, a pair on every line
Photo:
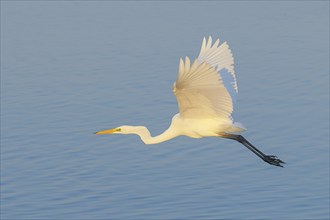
221, 58
200, 91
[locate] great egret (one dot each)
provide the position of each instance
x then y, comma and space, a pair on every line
205, 101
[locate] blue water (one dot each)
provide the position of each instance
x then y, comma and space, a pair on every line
71, 68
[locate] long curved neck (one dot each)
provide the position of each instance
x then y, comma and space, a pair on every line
145, 136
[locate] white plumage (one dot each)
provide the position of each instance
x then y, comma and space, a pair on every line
200, 89
219, 57
205, 91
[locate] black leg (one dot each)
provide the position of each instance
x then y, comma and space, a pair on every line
273, 160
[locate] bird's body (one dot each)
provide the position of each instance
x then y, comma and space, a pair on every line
204, 127
206, 91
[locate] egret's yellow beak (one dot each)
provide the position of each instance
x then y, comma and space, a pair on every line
110, 131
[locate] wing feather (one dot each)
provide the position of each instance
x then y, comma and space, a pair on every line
219, 57
200, 91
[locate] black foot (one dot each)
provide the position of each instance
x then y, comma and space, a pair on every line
273, 160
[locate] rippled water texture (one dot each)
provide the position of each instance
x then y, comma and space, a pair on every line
71, 68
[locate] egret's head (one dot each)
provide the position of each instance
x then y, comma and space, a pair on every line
119, 130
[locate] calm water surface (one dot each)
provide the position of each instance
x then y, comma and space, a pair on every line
69, 69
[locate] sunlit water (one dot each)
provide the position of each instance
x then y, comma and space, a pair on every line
69, 69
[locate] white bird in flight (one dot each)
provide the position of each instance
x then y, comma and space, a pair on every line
205, 91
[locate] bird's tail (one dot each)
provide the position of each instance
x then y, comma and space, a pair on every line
236, 128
